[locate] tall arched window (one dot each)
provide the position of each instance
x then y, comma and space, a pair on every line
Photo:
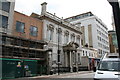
73, 37
59, 35
66, 37
78, 39
50, 30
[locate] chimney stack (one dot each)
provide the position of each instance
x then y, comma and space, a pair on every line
43, 11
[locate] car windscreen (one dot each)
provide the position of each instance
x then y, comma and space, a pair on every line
109, 66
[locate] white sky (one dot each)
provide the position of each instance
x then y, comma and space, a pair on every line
68, 8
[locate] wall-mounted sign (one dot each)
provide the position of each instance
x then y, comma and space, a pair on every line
19, 64
26, 66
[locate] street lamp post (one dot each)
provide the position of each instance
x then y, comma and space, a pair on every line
116, 12
59, 48
58, 52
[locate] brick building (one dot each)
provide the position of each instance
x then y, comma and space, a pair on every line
23, 51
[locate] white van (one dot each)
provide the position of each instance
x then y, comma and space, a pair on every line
108, 68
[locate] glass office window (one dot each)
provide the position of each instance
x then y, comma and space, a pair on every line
5, 6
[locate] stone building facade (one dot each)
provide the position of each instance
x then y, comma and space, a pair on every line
60, 36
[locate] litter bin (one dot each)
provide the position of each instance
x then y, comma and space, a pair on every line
51, 72
28, 73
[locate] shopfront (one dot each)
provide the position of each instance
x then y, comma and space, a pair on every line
15, 68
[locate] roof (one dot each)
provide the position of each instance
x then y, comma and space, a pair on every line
111, 59
79, 15
111, 55
111, 31
57, 20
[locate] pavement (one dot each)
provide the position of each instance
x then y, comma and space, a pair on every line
50, 76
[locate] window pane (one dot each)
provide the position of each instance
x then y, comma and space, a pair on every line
60, 37
5, 6
72, 38
66, 39
20, 26
0, 5
4, 21
33, 31
0, 20
78, 41
50, 35
109, 66
3, 40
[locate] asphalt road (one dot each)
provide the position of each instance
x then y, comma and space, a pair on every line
84, 75
78, 75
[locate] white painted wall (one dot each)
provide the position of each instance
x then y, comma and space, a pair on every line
90, 53
92, 20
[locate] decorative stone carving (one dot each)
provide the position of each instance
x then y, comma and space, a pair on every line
50, 27
66, 32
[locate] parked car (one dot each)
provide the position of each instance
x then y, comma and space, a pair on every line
109, 68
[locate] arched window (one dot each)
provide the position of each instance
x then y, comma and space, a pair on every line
78, 39
73, 37
66, 37
59, 35
50, 30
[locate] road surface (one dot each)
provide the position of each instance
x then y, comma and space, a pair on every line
83, 75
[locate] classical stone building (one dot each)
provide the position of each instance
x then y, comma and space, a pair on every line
64, 39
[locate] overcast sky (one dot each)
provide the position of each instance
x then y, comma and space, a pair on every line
68, 8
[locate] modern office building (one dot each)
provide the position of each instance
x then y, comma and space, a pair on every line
6, 15
94, 31
6, 21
